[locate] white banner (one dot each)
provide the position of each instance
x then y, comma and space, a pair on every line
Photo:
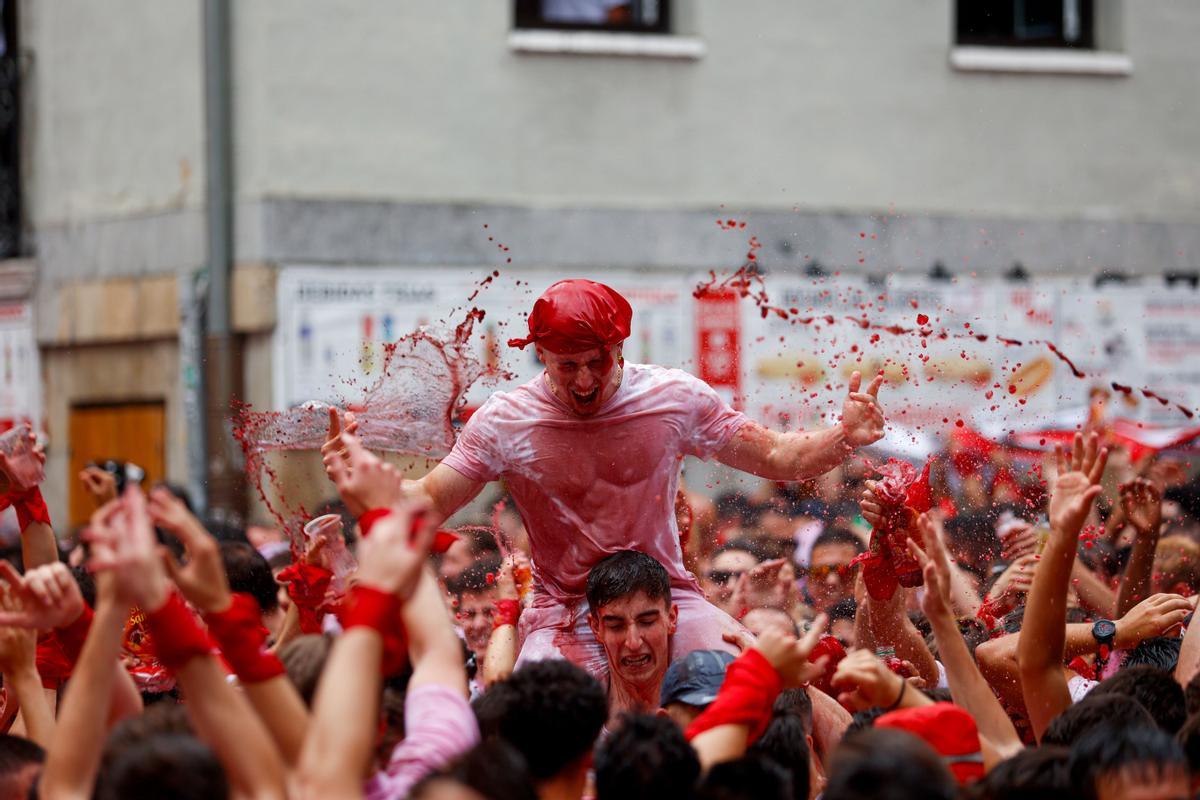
977, 351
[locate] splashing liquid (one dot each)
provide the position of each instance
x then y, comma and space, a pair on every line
409, 409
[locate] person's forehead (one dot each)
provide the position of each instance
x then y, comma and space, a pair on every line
733, 559
833, 551
476, 597
632, 605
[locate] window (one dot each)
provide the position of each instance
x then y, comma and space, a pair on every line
1025, 23
625, 16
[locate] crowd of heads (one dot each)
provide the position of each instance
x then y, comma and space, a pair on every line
857, 696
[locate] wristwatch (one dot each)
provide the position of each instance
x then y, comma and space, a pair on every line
1104, 631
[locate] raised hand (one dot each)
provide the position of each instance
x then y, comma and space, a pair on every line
123, 547
862, 416
391, 558
1154, 616
100, 483
1142, 503
936, 566
1014, 583
363, 480
202, 578
1018, 540
866, 681
789, 655
18, 644
45, 597
1078, 483
334, 446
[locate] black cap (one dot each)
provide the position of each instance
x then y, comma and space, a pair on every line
696, 678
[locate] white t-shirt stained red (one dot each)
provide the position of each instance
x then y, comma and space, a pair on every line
588, 487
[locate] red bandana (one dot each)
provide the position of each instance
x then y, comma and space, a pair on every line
577, 315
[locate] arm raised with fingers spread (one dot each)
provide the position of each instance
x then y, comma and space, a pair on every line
798, 455
1042, 638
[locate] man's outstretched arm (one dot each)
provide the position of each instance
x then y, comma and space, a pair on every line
380, 485
799, 455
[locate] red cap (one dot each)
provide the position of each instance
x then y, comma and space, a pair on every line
576, 315
946, 728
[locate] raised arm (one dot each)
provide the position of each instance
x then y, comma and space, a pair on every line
967, 686
1040, 647
501, 654
342, 732
742, 709
234, 623
1141, 502
18, 663
220, 714
73, 758
799, 455
38, 543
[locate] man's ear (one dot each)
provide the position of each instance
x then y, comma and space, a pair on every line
662, 712
593, 623
673, 618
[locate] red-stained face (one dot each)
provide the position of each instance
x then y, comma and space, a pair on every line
474, 616
584, 380
636, 633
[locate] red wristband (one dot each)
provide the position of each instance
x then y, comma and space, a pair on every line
747, 697
367, 607
30, 508
369, 518
72, 635
176, 636
507, 612
242, 639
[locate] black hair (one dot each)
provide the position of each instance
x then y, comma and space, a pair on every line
1192, 694
475, 577
626, 573
646, 758
797, 702
492, 769
1157, 651
1189, 739
1093, 712
742, 545
862, 720
173, 765
250, 573
1154, 688
785, 743
19, 763
156, 754
843, 609
224, 530
748, 778
1036, 773
834, 535
550, 711
887, 764
1139, 750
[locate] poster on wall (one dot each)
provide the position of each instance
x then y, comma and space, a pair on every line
20, 374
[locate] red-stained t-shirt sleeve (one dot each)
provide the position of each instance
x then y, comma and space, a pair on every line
475, 454
713, 422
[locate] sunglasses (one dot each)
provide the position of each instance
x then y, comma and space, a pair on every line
724, 575
844, 571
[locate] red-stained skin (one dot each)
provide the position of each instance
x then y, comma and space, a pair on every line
585, 380
635, 632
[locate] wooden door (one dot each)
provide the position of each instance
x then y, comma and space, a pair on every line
123, 432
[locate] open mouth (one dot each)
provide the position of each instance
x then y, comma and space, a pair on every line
636, 662
586, 399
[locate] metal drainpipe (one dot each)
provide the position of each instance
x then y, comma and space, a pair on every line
225, 497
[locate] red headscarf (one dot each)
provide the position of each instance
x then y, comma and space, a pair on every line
576, 315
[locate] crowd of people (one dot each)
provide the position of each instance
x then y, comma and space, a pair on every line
1007, 626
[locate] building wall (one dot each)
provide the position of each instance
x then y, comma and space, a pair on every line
830, 107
